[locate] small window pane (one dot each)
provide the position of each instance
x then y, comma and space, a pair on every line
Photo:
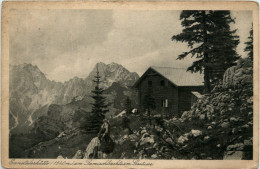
150, 83
162, 83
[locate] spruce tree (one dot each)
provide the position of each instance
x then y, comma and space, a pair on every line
249, 45
211, 41
149, 103
223, 42
99, 107
128, 106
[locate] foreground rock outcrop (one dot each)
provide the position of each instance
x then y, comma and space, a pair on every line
218, 126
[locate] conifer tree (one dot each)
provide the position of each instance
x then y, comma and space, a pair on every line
128, 105
211, 41
249, 45
149, 103
99, 107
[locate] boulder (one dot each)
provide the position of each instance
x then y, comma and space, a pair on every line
234, 130
206, 138
78, 155
154, 156
225, 124
238, 146
146, 139
248, 142
185, 114
182, 139
132, 137
250, 123
169, 140
245, 126
202, 116
196, 133
234, 119
91, 147
233, 155
60, 157
143, 131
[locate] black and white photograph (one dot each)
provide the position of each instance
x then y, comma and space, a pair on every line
131, 84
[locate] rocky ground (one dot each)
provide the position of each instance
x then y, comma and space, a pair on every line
218, 126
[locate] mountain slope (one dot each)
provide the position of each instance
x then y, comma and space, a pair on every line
31, 92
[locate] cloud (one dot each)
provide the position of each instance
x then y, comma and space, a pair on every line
68, 43
51, 38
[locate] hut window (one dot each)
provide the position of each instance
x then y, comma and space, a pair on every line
150, 83
162, 83
164, 103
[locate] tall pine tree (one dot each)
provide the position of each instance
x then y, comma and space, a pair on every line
249, 45
128, 106
99, 107
211, 41
149, 103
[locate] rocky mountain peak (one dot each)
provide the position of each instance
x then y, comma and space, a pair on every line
30, 89
113, 72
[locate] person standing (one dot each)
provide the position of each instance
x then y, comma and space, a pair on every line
107, 144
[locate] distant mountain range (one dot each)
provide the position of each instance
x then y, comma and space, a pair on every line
31, 93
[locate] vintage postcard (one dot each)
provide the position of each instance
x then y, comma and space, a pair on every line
130, 85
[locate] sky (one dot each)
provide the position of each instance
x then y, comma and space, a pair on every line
65, 43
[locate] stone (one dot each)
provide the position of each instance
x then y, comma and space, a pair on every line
188, 135
91, 147
209, 116
233, 155
78, 155
155, 145
222, 112
202, 116
202, 155
209, 128
143, 131
169, 140
154, 156
210, 109
233, 119
206, 138
225, 124
213, 123
146, 140
250, 123
250, 100
248, 142
62, 134
197, 111
185, 114
238, 146
60, 157
218, 145
234, 130
182, 139
196, 133
245, 126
